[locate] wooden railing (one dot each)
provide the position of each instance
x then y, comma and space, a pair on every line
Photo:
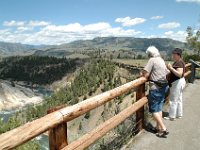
56, 121
194, 67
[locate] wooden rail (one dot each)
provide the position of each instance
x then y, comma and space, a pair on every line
54, 121
194, 66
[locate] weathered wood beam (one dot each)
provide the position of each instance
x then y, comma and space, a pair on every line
79, 109
140, 113
22, 134
58, 134
187, 74
89, 138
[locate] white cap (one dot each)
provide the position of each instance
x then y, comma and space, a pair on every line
153, 51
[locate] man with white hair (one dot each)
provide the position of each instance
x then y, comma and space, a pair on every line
156, 71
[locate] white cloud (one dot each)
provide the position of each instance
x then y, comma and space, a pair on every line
13, 23
59, 34
37, 23
179, 35
96, 27
22, 29
189, 1
156, 17
127, 21
169, 25
31, 23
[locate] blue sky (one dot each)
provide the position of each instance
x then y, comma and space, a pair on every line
63, 21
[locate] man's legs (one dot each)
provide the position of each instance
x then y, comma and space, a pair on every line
158, 118
157, 123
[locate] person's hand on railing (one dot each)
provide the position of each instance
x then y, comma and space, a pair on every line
144, 73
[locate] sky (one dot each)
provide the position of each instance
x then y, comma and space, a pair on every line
54, 22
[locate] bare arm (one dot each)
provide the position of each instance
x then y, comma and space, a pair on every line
178, 72
145, 74
147, 69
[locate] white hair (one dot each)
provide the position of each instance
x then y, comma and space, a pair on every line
152, 51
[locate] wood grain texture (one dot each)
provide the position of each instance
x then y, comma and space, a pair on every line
140, 113
58, 134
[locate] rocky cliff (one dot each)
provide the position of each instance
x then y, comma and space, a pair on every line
15, 95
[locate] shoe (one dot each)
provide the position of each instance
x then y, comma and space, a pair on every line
169, 118
163, 134
166, 118
155, 130
179, 117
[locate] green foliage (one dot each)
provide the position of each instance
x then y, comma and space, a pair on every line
35, 69
194, 57
31, 145
193, 39
12, 123
91, 77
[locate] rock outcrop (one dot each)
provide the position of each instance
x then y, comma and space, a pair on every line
15, 95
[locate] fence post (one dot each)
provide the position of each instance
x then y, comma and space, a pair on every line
193, 71
58, 134
140, 113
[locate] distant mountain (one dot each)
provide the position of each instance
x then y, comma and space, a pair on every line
10, 49
140, 44
110, 43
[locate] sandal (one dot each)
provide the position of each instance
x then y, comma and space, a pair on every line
163, 134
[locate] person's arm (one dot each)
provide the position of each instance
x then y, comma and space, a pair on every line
145, 74
147, 69
178, 72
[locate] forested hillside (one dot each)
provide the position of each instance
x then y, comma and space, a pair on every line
88, 80
35, 69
